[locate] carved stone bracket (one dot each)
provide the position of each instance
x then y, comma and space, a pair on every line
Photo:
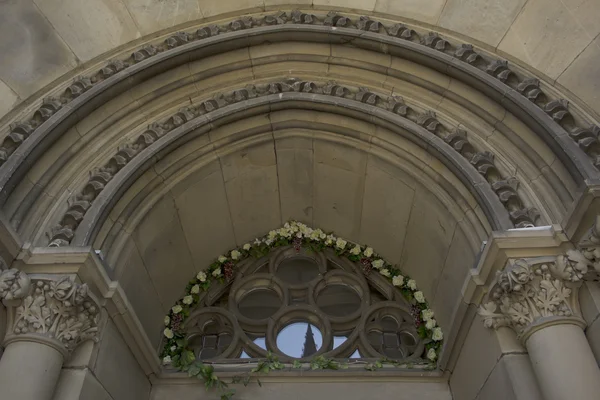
587, 254
532, 293
56, 310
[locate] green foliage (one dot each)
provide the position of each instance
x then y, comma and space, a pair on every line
321, 362
271, 363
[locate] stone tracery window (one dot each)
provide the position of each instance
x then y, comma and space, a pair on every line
300, 304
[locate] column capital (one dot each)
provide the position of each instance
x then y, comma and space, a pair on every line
531, 293
587, 253
48, 308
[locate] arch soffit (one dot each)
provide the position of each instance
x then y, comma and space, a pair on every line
85, 102
117, 217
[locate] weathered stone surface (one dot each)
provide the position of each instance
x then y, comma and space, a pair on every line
480, 348
583, 78
486, 21
33, 54
90, 28
426, 11
204, 210
549, 34
424, 246
8, 99
163, 248
117, 370
151, 16
385, 210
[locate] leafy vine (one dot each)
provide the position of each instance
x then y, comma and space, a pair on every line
180, 356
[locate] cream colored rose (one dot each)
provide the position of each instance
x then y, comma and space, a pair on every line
217, 272
419, 297
355, 250
368, 252
377, 264
431, 354
235, 255
340, 243
437, 334
398, 280
201, 276
384, 272
430, 324
167, 320
168, 333
167, 360
176, 309
222, 259
412, 284
188, 300
247, 246
195, 289
427, 314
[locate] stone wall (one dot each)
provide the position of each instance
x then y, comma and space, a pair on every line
44, 39
107, 371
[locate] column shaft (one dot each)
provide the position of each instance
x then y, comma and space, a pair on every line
29, 371
563, 363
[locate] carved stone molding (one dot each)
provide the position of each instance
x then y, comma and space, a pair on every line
587, 254
586, 136
530, 294
483, 161
56, 310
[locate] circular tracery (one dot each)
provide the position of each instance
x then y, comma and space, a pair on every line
300, 304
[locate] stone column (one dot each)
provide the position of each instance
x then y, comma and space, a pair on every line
47, 318
538, 298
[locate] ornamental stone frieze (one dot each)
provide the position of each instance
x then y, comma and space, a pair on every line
532, 293
47, 308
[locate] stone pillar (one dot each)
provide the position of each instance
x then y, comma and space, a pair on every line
538, 298
47, 318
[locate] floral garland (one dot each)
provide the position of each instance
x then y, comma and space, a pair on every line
294, 233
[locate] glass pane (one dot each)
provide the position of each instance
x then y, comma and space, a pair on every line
297, 270
356, 354
260, 342
299, 339
338, 300
338, 340
259, 304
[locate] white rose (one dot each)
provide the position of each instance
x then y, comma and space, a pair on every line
430, 324
419, 297
340, 243
176, 309
431, 354
398, 280
168, 333
173, 348
268, 242
377, 264
201, 276
411, 284
257, 242
329, 242
427, 314
188, 300
195, 289
235, 254
167, 320
217, 272
246, 246
384, 272
222, 259
355, 250
368, 252
437, 334
167, 360
299, 235
272, 234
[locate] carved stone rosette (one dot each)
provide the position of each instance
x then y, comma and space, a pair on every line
48, 309
532, 293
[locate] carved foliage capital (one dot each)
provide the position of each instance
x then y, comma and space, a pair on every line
57, 309
529, 292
